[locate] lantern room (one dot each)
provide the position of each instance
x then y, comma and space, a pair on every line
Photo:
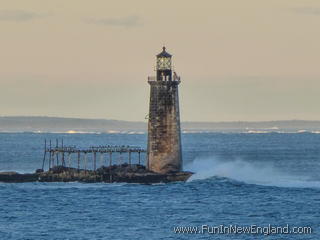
164, 66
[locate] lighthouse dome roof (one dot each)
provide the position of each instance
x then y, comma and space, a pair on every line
164, 53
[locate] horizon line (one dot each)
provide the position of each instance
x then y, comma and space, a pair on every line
186, 121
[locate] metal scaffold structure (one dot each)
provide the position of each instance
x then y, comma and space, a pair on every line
61, 155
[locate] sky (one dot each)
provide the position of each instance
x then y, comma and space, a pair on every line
242, 60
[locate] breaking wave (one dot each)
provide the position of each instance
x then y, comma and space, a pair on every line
247, 172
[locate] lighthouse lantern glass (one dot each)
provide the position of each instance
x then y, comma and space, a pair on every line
164, 63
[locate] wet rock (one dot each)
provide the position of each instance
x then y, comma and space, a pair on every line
116, 173
14, 177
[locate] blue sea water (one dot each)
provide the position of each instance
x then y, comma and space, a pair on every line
240, 179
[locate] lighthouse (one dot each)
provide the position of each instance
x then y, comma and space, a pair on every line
164, 134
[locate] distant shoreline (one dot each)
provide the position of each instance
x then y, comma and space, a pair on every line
79, 125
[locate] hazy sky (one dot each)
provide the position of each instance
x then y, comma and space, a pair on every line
238, 60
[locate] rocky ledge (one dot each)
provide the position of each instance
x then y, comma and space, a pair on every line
116, 173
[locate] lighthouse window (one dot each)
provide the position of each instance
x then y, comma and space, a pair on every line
163, 63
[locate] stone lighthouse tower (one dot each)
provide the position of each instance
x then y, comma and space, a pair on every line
164, 136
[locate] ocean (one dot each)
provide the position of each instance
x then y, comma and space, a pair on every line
255, 181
